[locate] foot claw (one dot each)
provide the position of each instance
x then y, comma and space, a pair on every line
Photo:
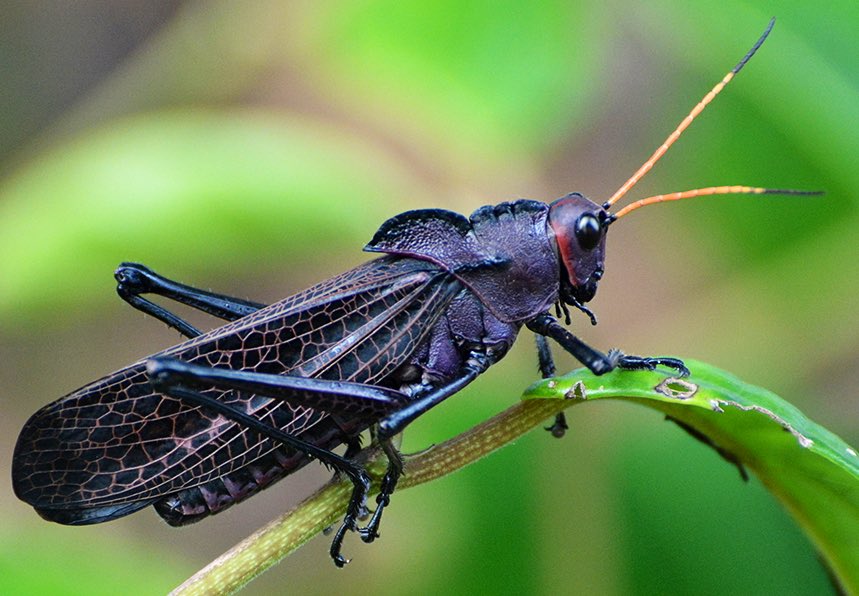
638, 363
559, 427
368, 535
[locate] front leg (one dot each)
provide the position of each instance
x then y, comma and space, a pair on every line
597, 362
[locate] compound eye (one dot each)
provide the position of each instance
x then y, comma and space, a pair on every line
588, 231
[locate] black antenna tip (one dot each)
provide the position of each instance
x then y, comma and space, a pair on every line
792, 191
755, 47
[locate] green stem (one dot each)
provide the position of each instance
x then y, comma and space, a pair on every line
271, 543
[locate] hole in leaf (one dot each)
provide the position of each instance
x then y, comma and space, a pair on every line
577, 391
677, 388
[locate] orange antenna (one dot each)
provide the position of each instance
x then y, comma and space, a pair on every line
687, 121
712, 190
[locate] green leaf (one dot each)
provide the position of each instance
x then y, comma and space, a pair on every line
34, 561
477, 81
219, 188
812, 471
775, 100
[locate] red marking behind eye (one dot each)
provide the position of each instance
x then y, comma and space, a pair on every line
563, 218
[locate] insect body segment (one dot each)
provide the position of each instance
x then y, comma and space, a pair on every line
579, 227
208, 423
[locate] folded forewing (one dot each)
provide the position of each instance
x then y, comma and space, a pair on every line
117, 441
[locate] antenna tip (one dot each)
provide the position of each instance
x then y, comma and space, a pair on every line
792, 191
755, 47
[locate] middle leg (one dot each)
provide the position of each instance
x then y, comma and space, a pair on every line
179, 379
547, 370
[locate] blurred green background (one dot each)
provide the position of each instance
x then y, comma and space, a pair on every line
254, 148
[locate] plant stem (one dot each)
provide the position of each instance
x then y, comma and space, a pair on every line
271, 543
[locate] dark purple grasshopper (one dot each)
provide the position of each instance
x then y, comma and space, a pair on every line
211, 421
